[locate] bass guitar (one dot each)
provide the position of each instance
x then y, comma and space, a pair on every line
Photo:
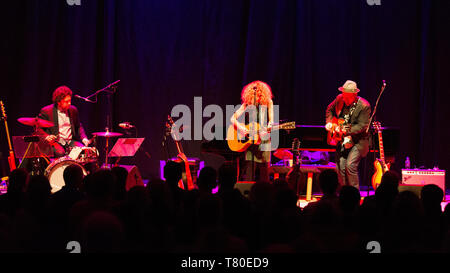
174, 131
380, 164
11, 157
238, 142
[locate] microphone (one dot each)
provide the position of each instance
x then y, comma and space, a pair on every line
126, 125
85, 99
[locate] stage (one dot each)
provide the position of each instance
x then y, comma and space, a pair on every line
364, 193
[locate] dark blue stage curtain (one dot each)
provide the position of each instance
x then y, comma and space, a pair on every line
165, 52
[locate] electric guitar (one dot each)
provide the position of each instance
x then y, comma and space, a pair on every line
11, 157
238, 142
174, 132
380, 165
334, 136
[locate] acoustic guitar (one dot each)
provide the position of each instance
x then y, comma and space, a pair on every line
238, 142
174, 132
11, 157
380, 165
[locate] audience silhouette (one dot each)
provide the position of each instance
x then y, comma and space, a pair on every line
207, 179
103, 216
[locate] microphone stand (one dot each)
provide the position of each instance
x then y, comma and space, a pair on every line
109, 89
253, 153
370, 126
376, 105
95, 94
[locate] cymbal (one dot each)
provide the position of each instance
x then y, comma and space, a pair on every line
36, 122
283, 154
107, 134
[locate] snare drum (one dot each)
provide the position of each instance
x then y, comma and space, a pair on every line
84, 155
55, 171
75, 152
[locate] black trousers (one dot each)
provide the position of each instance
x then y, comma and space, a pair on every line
347, 167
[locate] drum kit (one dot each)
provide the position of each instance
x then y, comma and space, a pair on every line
84, 157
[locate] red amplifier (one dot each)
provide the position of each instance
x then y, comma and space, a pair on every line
424, 177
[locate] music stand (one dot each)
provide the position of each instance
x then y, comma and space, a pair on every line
126, 147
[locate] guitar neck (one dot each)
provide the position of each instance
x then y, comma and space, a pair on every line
8, 136
288, 125
276, 127
179, 147
190, 183
380, 140
11, 157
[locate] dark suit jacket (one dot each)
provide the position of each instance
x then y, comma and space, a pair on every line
50, 113
359, 121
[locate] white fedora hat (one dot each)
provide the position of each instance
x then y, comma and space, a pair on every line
349, 87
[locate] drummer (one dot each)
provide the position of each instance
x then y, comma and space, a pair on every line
67, 131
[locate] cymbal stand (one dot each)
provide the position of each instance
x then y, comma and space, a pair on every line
106, 148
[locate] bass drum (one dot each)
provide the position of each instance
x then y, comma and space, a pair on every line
55, 171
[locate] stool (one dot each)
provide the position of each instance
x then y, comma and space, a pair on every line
311, 170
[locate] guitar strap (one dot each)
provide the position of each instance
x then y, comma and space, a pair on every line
348, 116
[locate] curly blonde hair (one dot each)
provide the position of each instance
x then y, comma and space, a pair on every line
263, 93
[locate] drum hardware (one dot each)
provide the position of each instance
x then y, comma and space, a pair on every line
36, 122
110, 89
107, 135
35, 146
55, 172
35, 154
84, 155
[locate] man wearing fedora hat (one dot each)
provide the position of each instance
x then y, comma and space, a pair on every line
355, 113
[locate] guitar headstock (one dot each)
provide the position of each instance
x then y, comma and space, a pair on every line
2, 106
170, 120
172, 129
377, 126
169, 124
288, 125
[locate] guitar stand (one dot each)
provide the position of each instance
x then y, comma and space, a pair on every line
371, 147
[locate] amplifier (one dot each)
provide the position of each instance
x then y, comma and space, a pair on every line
424, 177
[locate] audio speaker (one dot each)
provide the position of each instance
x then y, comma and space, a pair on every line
244, 187
416, 189
422, 177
